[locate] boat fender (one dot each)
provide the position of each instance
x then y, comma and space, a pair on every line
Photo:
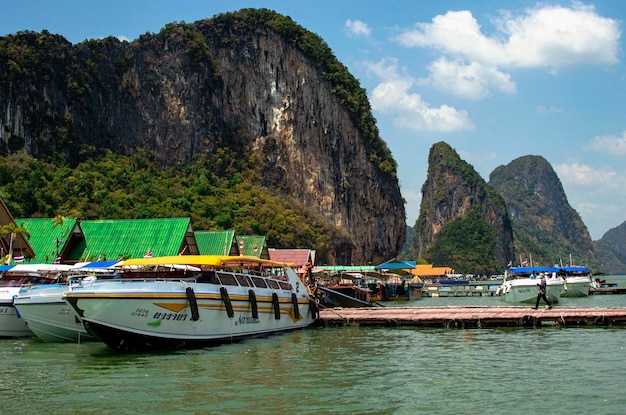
499, 291
276, 306
193, 304
527, 321
392, 322
296, 310
253, 303
455, 323
601, 321
227, 303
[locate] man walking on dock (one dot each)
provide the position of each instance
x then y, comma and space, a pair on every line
541, 294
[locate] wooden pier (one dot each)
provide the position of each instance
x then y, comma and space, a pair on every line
473, 316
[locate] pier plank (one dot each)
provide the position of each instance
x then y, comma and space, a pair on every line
473, 316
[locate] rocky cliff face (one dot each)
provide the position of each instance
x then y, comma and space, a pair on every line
546, 227
194, 90
454, 190
611, 250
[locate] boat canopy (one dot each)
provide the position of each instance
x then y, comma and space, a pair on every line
528, 270
208, 260
569, 269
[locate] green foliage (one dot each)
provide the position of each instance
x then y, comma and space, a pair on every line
125, 187
15, 143
466, 244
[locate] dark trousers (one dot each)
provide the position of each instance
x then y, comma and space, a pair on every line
542, 295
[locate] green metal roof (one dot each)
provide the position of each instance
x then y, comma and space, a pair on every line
253, 245
44, 236
217, 242
130, 238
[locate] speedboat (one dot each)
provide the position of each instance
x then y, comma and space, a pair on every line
14, 279
52, 319
231, 298
520, 284
577, 281
49, 317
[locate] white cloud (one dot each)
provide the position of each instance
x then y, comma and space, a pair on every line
473, 64
584, 175
393, 96
615, 146
471, 81
549, 110
357, 28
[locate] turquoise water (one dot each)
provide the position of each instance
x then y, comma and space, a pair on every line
334, 370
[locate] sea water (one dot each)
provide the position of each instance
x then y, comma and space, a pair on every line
334, 370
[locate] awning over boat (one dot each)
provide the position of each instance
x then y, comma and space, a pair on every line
208, 260
37, 267
98, 264
528, 270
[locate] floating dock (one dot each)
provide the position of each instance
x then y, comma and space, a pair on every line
473, 316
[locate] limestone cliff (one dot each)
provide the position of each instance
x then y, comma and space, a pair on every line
459, 206
546, 227
252, 82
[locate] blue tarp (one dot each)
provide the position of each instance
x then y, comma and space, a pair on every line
527, 270
100, 264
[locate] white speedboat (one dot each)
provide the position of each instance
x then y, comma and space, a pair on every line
577, 281
49, 317
14, 278
11, 324
520, 285
52, 319
233, 297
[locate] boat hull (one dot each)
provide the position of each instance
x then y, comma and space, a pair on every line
11, 323
525, 290
577, 287
49, 317
162, 315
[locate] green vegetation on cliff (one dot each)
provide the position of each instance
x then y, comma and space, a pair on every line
466, 244
123, 187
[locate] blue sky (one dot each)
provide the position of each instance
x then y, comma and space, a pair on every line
495, 79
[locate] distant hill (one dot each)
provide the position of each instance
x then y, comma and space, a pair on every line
611, 250
463, 223
545, 226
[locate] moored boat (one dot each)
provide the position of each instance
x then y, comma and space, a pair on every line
49, 317
343, 296
233, 297
14, 279
395, 289
577, 281
520, 284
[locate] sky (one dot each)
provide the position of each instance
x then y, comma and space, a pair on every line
495, 79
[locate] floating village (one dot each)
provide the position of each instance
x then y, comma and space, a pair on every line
154, 284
